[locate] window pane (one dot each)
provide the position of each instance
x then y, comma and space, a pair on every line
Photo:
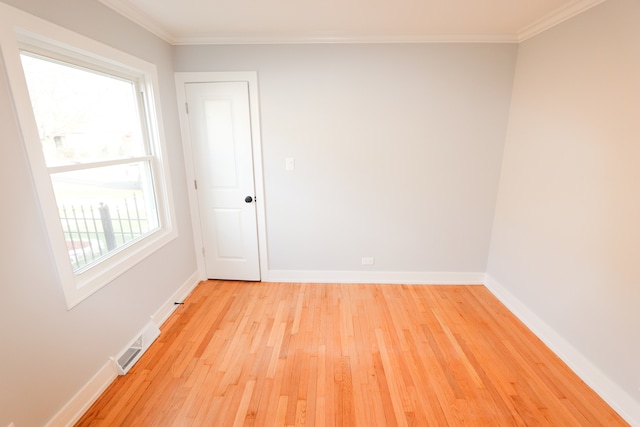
104, 209
82, 116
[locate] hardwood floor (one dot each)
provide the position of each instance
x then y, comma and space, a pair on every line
275, 354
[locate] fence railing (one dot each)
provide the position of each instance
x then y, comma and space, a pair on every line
92, 231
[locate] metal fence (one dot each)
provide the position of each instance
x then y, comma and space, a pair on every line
92, 231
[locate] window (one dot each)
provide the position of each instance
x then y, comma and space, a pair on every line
95, 145
99, 161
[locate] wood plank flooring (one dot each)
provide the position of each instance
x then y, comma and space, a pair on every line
280, 354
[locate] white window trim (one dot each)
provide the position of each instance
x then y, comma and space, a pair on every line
18, 28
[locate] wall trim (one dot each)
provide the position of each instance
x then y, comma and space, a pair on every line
166, 309
251, 77
91, 391
142, 19
78, 405
346, 38
379, 277
627, 407
556, 17
132, 13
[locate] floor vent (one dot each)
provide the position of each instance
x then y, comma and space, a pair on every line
130, 355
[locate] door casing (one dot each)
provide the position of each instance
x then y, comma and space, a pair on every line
251, 77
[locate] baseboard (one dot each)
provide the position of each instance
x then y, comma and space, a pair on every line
390, 277
163, 313
79, 403
617, 398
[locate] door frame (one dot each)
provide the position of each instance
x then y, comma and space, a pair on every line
251, 77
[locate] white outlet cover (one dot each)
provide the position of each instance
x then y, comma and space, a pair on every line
367, 260
290, 164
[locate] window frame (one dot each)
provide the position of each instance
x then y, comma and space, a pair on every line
43, 38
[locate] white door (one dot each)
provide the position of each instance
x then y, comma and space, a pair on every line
220, 133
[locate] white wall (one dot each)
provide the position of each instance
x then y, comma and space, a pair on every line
397, 150
566, 239
46, 352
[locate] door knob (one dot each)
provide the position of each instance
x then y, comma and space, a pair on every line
248, 199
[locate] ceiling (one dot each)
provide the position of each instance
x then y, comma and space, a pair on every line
355, 21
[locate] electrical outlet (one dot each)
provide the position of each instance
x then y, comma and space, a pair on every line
367, 260
290, 164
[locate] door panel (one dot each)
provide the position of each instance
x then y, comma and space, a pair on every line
220, 131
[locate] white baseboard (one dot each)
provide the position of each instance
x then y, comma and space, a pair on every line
617, 398
381, 277
78, 405
163, 313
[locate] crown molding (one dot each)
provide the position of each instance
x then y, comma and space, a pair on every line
556, 17
340, 39
134, 14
